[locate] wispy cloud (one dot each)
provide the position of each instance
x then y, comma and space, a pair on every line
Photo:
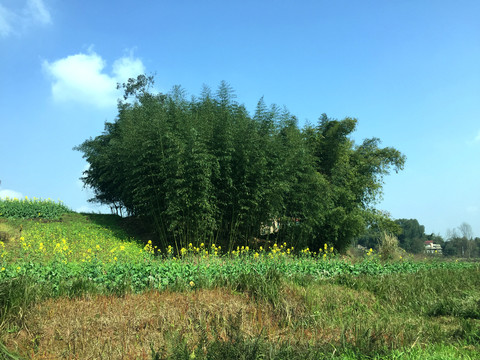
36, 10
7, 19
18, 20
82, 78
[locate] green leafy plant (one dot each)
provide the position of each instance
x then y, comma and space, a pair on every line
32, 208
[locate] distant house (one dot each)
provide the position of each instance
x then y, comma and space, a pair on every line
431, 248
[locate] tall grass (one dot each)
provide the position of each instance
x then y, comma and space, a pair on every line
388, 247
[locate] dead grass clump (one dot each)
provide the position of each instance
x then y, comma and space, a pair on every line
388, 247
107, 327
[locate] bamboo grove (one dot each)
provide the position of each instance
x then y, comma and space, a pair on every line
203, 170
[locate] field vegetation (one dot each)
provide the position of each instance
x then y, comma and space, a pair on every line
234, 242
82, 287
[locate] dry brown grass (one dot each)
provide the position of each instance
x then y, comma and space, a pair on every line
108, 327
324, 314
389, 248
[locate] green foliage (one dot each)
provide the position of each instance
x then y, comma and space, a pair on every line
412, 238
204, 170
353, 175
265, 287
437, 291
463, 244
32, 209
372, 318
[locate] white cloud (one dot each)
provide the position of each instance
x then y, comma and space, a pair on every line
10, 194
82, 78
127, 67
16, 21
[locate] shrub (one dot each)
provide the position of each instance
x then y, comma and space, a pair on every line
388, 247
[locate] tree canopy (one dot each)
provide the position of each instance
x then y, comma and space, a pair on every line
205, 170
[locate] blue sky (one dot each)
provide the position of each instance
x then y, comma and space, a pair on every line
409, 71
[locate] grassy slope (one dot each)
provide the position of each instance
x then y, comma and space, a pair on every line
430, 314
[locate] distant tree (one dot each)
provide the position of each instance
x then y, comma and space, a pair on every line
456, 246
460, 242
465, 231
412, 237
379, 223
476, 241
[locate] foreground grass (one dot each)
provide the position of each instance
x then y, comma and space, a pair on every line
143, 307
349, 318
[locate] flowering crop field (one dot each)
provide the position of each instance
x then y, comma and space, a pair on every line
32, 208
85, 288
59, 252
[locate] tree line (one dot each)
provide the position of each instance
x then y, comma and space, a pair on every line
202, 169
411, 236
